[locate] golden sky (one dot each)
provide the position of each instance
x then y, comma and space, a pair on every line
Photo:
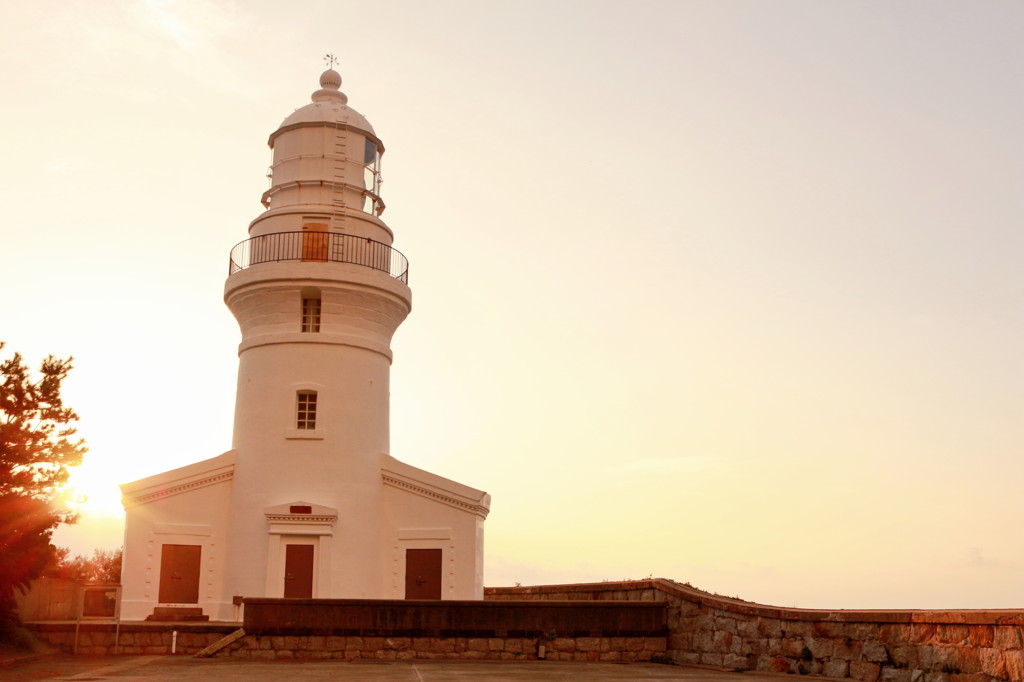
722, 291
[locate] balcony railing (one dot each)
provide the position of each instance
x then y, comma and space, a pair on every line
319, 247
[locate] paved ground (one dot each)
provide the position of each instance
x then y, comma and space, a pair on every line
94, 669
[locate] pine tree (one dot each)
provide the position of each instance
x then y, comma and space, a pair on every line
37, 446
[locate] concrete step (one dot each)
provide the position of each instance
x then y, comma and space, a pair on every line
177, 613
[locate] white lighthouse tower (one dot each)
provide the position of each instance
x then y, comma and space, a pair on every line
318, 292
308, 503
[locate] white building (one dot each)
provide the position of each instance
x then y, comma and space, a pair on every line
308, 502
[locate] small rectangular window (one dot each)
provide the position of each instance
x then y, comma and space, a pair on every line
306, 415
311, 314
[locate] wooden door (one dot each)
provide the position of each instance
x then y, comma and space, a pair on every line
422, 574
314, 241
298, 571
179, 574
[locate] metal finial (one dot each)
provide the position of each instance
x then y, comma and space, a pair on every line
330, 60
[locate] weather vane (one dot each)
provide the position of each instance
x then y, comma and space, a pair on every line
330, 60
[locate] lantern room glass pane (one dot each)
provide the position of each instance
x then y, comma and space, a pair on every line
371, 166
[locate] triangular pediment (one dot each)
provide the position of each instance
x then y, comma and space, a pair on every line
300, 508
178, 481
433, 487
300, 518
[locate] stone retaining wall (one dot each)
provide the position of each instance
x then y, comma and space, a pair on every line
868, 646
353, 629
102, 639
145, 639
619, 649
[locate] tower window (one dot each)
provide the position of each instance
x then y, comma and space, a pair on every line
310, 314
305, 419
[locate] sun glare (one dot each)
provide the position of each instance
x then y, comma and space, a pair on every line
91, 492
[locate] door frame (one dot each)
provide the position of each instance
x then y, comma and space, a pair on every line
276, 562
424, 538
287, 526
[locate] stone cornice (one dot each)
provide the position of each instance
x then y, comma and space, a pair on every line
300, 518
392, 479
176, 489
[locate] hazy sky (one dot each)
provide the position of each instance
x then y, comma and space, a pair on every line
725, 292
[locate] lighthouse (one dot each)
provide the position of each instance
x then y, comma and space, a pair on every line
309, 502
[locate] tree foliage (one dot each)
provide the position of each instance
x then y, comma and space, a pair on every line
26, 525
36, 432
37, 445
104, 566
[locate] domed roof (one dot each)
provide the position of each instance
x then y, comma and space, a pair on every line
329, 105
